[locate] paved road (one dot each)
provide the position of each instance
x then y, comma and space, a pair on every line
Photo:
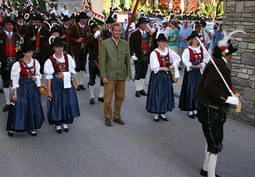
141, 148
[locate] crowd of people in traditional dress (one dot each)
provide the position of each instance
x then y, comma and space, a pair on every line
47, 55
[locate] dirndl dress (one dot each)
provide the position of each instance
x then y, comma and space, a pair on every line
189, 86
26, 113
160, 98
63, 107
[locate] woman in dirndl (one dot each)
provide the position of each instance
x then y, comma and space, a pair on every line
26, 113
164, 63
195, 60
62, 105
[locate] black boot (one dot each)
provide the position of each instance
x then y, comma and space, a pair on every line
137, 94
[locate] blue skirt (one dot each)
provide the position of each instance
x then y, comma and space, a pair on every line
27, 113
189, 86
63, 106
160, 97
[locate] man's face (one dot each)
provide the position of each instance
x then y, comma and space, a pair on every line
165, 25
83, 21
228, 57
9, 27
143, 26
116, 32
185, 24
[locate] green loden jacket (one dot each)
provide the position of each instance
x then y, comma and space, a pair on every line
114, 60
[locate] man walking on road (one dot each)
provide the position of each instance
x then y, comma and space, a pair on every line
114, 61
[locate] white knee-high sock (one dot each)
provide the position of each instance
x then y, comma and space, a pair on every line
101, 93
7, 95
82, 76
205, 164
137, 85
92, 91
212, 161
142, 84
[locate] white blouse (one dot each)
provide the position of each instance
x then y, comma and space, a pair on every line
15, 73
174, 58
186, 58
49, 69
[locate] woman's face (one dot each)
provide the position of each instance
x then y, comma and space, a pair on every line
162, 44
28, 54
58, 49
194, 42
172, 26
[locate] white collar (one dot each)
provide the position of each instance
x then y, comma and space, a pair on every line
82, 26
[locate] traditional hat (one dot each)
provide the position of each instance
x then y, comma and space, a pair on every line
9, 20
38, 17
58, 42
161, 37
55, 29
82, 15
224, 46
26, 47
165, 20
143, 20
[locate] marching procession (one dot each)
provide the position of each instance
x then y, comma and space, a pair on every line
48, 54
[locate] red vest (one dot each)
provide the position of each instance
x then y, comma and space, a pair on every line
38, 40
145, 44
10, 47
196, 57
24, 72
162, 62
60, 67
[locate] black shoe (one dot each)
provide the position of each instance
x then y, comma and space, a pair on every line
58, 130
1, 90
204, 173
155, 119
192, 116
119, 121
10, 133
143, 93
6, 108
32, 133
82, 87
101, 99
163, 117
108, 122
66, 130
92, 101
137, 94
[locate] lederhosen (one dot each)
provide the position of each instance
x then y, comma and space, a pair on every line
10, 59
93, 61
141, 65
212, 119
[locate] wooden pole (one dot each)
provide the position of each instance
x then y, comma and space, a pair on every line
133, 14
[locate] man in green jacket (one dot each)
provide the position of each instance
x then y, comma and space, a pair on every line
114, 61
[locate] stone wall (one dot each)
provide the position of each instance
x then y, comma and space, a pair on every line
240, 14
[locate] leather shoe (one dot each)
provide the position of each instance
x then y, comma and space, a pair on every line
58, 129
119, 121
6, 108
10, 133
1, 90
163, 117
108, 122
32, 133
82, 87
92, 101
101, 99
142, 92
137, 94
204, 173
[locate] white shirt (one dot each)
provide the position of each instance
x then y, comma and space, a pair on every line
174, 58
15, 73
186, 58
49, 69
167, 31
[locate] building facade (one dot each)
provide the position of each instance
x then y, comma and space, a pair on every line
239, 14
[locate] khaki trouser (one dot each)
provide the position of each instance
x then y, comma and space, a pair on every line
117, 87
